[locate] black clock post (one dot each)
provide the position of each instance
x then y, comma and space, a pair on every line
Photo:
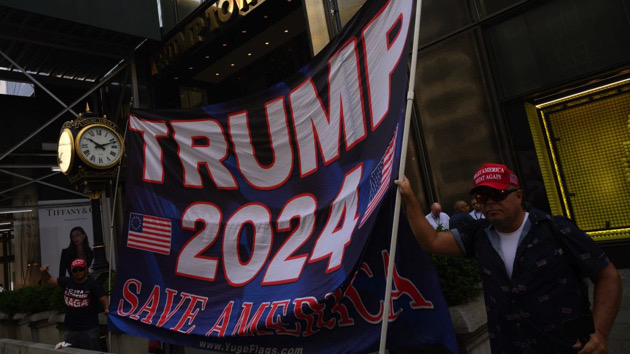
100, 266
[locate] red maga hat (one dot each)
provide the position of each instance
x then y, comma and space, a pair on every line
78, 263
495, 176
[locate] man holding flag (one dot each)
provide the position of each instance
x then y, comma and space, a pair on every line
532, 268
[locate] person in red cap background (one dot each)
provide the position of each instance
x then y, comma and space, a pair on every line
81, 296
532, 268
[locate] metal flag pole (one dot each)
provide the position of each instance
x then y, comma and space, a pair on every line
111, 236
401, 172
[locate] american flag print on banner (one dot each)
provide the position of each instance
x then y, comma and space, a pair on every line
149, 233
380, 178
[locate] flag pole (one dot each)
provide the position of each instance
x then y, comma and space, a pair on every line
401, 172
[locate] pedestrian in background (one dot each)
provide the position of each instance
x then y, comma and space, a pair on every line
79, 247
437, 218
461, 215
82, 296
476, 212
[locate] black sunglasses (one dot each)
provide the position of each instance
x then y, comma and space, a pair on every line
496, 195
78, 269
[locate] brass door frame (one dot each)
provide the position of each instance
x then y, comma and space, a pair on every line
556, 182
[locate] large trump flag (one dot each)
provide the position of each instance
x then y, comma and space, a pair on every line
261, 225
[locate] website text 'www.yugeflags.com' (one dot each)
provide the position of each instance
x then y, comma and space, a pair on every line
249, 349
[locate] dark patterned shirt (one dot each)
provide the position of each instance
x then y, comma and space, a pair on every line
525, 312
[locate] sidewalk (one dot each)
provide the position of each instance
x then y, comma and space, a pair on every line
619, 338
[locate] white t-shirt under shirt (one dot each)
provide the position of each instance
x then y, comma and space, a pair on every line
509, 243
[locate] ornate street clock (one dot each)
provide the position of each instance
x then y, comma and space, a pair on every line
89, 149
89, 154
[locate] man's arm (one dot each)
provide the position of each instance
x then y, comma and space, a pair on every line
46, 278
606, 302
431, 241
105, 302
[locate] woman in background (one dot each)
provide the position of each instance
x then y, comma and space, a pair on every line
79, 248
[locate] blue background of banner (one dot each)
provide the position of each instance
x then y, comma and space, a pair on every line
411, 329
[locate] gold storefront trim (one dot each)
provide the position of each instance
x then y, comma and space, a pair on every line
581, 141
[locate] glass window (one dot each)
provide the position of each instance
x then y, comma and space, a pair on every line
441, 17
13, 88
556, 42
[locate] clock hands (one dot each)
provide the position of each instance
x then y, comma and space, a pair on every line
100, 146
97, 144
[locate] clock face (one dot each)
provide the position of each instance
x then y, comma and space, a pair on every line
99, 146
65, 150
